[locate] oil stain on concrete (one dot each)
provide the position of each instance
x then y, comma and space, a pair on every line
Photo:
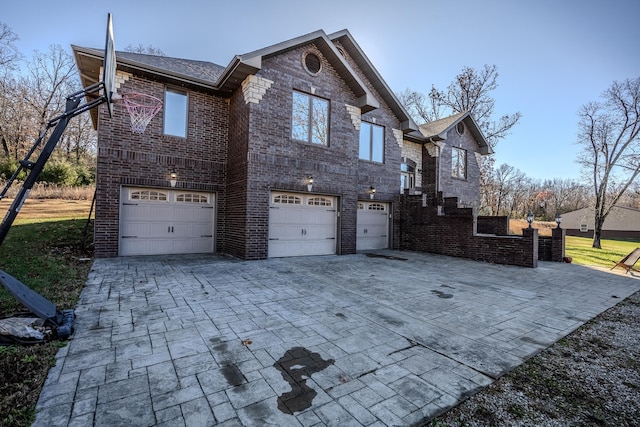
296, 366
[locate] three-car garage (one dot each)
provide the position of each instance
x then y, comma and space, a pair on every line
157, 221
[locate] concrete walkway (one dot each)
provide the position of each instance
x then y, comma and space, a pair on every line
386, 340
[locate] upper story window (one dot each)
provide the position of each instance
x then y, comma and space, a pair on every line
310, 119
175, 113
458, 163
371, 142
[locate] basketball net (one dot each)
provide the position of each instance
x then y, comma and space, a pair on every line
142, 108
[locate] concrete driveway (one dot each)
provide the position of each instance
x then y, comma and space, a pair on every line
382, 339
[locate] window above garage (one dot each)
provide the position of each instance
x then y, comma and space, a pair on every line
175, 112
310, 119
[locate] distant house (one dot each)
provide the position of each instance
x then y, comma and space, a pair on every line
622, 222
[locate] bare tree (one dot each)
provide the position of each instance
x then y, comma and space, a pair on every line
9, 54
609, 136
147, 50
51, 78
469, 92
508, 180
566, 195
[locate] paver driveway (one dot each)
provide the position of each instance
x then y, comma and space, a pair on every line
391, 338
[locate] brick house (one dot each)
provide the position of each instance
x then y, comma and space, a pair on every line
299, 148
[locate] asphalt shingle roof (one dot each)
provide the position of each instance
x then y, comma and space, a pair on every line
436, 127
201, 70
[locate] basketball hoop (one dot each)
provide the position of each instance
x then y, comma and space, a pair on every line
142, 108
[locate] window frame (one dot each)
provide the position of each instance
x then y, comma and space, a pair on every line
370, 158
310, 117
171, 111
459, 168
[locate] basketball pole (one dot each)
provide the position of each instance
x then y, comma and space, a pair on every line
39, 305
72, 109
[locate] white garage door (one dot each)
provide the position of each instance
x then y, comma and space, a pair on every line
373, 226
162, 221
302, 224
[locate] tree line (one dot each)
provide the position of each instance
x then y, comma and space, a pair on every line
33, 91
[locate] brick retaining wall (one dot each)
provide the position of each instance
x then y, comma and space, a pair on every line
449, 230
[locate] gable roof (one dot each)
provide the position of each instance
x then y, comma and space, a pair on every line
223, 81
357, 54
437, 130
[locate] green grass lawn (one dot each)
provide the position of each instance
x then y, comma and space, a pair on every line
46, 255
613, 250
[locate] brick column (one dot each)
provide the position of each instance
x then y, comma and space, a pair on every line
530, 237
557, 244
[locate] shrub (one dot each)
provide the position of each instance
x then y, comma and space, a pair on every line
8, 167
86, 175
59, 172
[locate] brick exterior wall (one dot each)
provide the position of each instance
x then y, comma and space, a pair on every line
146, 160
277, 162
437, 169
241, 149
453, 233
498, 225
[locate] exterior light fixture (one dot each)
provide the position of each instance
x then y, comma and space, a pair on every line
372, 192
529, 218
309, 183
558, 219
173, 178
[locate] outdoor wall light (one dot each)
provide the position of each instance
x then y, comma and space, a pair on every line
558, 219
372, 192
173, 178
309, 183
529, 218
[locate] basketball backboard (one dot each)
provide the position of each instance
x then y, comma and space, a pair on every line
109, 67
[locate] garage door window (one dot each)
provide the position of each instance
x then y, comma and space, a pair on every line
287, 200
192, 198
376, 207
319, 201
151, 195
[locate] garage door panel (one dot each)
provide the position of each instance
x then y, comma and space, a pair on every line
373, 226
171, 225
135, 246
190, 246
304, 228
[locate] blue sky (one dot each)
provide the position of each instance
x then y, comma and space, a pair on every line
553, 56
